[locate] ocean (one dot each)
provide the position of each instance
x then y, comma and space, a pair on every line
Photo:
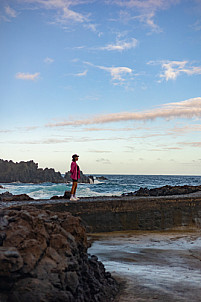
114, 185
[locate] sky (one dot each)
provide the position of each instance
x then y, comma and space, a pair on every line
116, 81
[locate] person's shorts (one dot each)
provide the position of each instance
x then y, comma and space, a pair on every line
74, 180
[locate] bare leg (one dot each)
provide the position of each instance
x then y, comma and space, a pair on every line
74, 187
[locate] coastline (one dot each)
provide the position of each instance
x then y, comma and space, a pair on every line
184, 215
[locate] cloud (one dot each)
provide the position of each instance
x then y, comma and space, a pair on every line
48, 60
121, 45
191, 144
81, 74
173, 69
64, 11
146, 10
189, 109
99, 151
27, 76
103, 161
147, 5
117, 73
185, 129
10, 12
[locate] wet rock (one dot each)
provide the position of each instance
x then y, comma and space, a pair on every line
66, 195
83, 178
28, 172
165, 191
101, 178
10, 197
43, 257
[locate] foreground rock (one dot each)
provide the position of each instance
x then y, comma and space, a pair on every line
28, 172
165, 191
43, 257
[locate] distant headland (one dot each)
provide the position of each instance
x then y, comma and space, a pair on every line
28, 172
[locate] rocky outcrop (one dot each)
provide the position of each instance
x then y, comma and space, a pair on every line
67, 195
83, 178
165, 191
28, 172
101, 178
6, 196
43, 257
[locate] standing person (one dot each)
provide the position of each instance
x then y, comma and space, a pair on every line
75, 175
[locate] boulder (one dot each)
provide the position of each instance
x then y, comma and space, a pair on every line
6, 196
66, 195
101, 178
43, 257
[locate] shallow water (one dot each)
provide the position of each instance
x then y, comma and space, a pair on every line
154, 266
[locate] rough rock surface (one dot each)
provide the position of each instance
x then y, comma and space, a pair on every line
67, 195
6, 196
28, 172
43, 257
83, 178
165, 191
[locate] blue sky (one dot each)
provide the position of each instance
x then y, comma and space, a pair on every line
118, 82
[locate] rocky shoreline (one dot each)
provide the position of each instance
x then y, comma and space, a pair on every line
165, 191
28, 172
43, 257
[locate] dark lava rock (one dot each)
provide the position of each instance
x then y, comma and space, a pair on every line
165, 191
43, 257
10, 197
28, 172
66, 195
83, 178
101, 178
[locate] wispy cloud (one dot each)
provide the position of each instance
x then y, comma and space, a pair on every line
121, 45
191, 144
103, 161
63, 11
173, 69
144, 10
27, 76
10, 12
189, 109
48, 60
81, 74
117, 73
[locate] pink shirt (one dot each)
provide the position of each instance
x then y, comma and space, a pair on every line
75, 173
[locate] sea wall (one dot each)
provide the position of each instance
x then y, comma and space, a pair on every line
105, 214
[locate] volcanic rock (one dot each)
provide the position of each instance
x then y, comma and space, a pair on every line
43, 257
6, 196
165, 191
28, 172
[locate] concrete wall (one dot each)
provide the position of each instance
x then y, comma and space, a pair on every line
131, 213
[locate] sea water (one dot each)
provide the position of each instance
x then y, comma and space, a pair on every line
112, 185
